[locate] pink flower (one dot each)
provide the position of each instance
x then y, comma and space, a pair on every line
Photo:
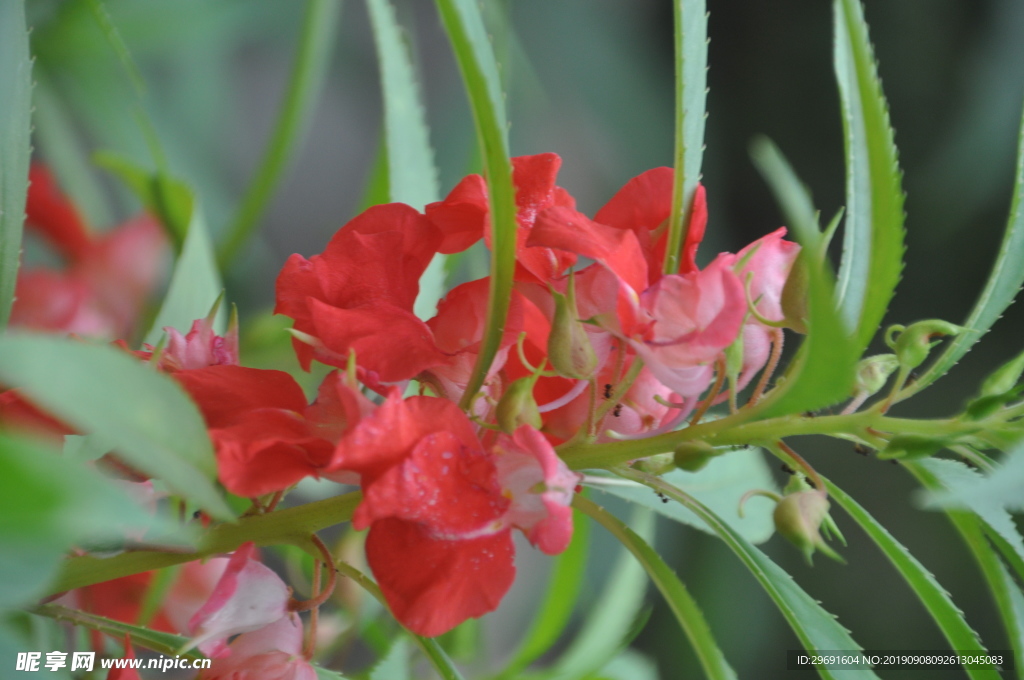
273, 652
201, 347
247, 597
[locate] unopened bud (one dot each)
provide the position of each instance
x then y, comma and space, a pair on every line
874, 371
1004, 378
518, 407
658, 464
798, 517
569, 348
693, 456
794, 297
914, 343
911, 447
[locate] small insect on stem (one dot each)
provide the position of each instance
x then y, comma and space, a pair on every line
788, 470
607, 391
663, 497
860, 449
617, 411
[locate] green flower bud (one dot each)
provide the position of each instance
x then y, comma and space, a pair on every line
874, 371
914, 343
518, 407
656, 465
693, 456
911, 447
569, 348
1004, 378
798, 518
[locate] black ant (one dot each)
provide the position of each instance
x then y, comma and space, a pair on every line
617, 411
788, 470
860, 449
663, 497
607, 391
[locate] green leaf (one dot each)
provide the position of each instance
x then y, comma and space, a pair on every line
326, 674
1002, 287
873, 233
953, 476
932, 595
629, 665
395, 665
824, 371
679, 600
814, 627
468, 37
144, 415
691, 62
195, 284
719, 486
1005, 591
15, 122
47, 505
164, 643
608, 624
316, 44
412, 175
1001, 488
555, 611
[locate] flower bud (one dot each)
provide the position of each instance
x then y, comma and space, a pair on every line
657, 464
798, 518
794, 297
569, 348
914, 343
693, 456
911, 447
1004, 378
874, 371
518, 407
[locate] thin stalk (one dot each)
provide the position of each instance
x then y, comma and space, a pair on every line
316, 43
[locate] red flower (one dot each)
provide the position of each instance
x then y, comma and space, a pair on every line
266, 436
107, 277
440, 508
464, 215
359, 295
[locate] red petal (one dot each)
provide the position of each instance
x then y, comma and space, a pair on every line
442, 484
389, 434
52, 214
694, 231
462, 215
226, 393
434, 585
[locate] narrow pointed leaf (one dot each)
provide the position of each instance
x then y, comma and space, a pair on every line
691, 67
563, 592
15, 122
873, 232
1002, 287
144, 415
609, 624
679, 600
933, 596
814, 627
1005, 591
412, 175
823, 372
475, 56
312, 58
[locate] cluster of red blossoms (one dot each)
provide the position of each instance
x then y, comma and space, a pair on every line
599, 343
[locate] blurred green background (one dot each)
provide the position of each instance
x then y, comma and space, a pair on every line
592, 81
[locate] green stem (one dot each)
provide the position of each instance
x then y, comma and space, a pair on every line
315, 46
689, 615
292, 525
468, 37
